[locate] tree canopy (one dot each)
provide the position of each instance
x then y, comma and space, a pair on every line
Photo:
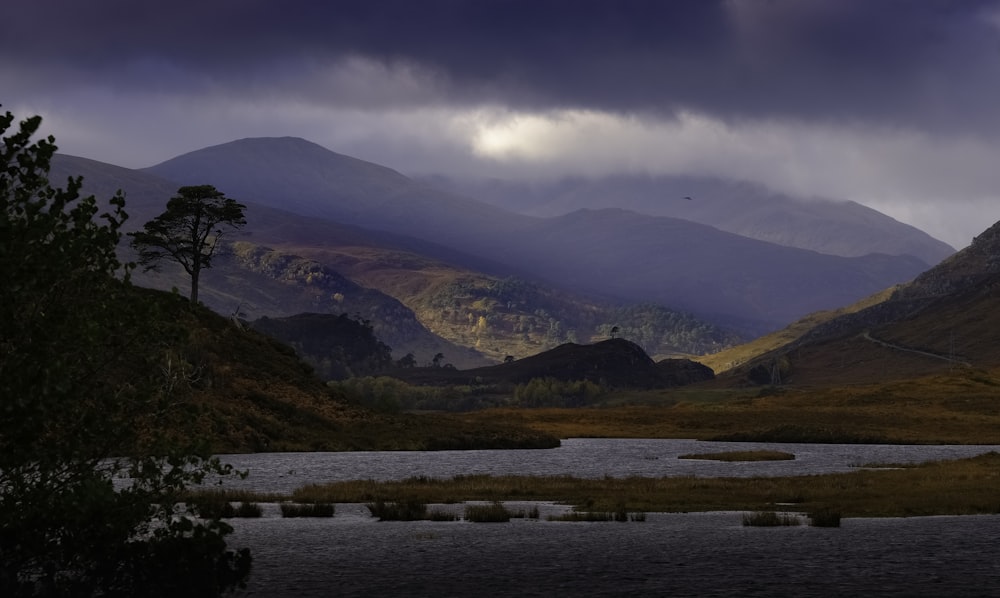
189, 230
89, 484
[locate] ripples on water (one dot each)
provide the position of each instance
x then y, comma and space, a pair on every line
669, 555
583, 457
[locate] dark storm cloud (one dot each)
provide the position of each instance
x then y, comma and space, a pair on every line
931, 64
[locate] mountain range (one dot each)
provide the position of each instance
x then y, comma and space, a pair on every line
323, 216
844, 228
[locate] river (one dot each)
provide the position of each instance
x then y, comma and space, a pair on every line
705, 554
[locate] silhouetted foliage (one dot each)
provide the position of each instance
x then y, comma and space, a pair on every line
338, 347
89, 482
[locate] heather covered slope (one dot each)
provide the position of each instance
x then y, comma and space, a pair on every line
253, 393
945, 320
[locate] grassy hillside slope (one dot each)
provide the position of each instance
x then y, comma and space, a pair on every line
945, 319
254, 394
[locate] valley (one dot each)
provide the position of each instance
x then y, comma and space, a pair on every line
468, 296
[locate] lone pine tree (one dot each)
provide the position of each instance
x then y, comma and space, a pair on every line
189, 231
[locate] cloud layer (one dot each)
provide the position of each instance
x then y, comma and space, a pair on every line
888, 102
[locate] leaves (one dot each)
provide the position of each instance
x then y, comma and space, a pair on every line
76, 507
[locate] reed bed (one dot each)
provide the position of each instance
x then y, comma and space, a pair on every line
494, 512
408, 510
248, 510
621, 515
959, 487
761, 455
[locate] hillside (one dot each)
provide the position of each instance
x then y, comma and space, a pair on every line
619, 255
252, 393
468, 308
944, 320
304, 178
716, 275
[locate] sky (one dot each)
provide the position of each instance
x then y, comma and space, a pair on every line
894, 104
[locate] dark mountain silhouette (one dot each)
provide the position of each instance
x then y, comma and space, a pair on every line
619, 255
613, 363
843, 228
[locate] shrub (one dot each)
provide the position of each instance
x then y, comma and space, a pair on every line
549, 392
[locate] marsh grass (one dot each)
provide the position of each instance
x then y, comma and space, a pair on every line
319, 509
955, 409
494, 512
440, 515
249, 510
761, 455
770, 519
407, 510
959, 487
620, 515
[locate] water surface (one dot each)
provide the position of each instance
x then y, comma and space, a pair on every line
703, 554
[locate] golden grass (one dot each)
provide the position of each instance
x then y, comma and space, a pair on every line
762, 455
958, 408
728, 359
961, 487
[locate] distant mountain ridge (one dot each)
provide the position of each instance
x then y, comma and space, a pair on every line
622, 256
843, 228
305, 178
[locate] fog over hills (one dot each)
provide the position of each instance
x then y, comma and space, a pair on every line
301, 177
719, 275
844, 228
617, 254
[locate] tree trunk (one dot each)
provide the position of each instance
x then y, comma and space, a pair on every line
194, 286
